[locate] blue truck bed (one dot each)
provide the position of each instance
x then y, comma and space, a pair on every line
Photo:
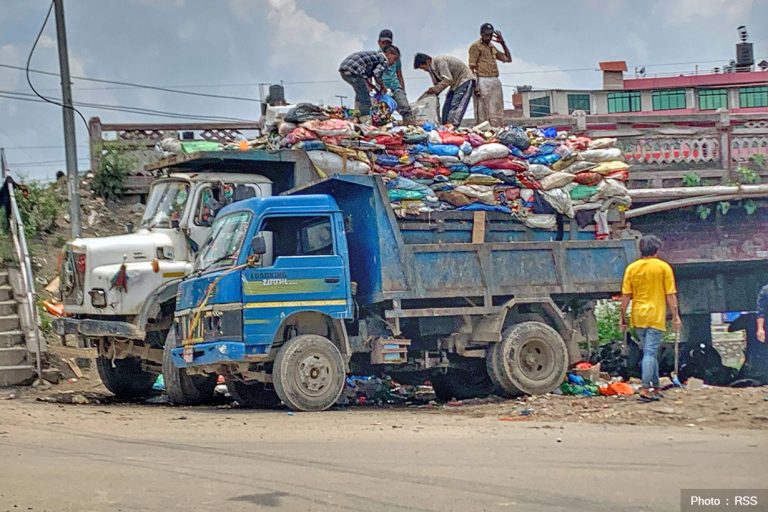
432, 258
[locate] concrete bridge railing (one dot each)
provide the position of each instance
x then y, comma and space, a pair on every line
663, 148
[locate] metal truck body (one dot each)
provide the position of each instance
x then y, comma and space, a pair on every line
350, 287
128, 321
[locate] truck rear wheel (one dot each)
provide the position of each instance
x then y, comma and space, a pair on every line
531, 359
308, 373
183, 389
253, 395
126, 379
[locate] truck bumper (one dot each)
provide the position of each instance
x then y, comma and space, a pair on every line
91, 328
211, 353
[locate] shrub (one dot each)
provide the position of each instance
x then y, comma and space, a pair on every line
109, 181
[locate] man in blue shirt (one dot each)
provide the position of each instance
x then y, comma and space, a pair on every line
393, 78
762, 312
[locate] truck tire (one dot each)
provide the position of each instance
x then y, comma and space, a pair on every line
308, 373
253, 395
126, 379
531, 359
183, 389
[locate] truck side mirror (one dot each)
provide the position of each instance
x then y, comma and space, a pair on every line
258, 245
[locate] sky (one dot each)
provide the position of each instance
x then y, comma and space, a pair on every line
227, 47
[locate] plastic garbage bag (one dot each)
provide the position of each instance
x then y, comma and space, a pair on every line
604, 143
539, 171
610, 167
559, 200
331, 163
544, 159
486, 152
426, 110
601, 155
514, 136
611, 188
305, 112
541, 221
482, 193
330, 127
588, 178
556, 180
582, 192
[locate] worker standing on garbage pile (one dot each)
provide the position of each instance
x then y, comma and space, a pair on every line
393, 78
448, 73
650, 284
483, 54
762, 312
360, 70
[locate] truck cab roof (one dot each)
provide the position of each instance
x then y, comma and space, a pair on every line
293, 205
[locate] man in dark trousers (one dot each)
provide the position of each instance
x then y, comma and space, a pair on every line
650, 284
360, 70
762, 312
450, 73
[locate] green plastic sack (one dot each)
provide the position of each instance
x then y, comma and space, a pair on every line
200, 145
581, 192
400, 194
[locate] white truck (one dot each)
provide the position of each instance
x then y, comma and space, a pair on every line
119, 292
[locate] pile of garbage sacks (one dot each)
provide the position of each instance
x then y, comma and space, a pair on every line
534, 175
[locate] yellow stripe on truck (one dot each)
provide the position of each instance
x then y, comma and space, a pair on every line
296, 304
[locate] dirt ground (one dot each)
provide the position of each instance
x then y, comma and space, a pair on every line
567, 454
710, 407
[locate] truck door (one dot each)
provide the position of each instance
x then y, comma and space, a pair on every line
307, 273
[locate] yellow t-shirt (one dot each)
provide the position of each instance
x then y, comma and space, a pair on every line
649, 281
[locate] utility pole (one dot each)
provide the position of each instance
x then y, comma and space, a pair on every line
341, 99
70, 140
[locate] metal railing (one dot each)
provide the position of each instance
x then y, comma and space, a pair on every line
21, 254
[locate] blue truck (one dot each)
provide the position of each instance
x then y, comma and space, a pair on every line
291, 293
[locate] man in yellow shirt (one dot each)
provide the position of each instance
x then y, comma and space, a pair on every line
650, 284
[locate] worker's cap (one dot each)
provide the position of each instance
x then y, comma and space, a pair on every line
385, 35
486, 27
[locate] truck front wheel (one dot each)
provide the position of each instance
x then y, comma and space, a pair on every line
126, 379
183, 389
308, 373
531, 359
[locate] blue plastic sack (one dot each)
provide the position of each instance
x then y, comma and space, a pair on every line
546, 149
428, 127
576, 379
518, 153
474, 207
310, 145
466, 148
544, 159
549, 133
387, 160
458, 168
387, 100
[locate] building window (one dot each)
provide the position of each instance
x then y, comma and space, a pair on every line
578, 102
539, 106
623, 102
670, 99
753, 97
713, 99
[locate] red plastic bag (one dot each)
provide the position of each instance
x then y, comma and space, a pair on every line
451, 138
388, 140
512, 164
587, 178
619, 175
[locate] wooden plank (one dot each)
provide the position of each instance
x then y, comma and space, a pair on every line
74, 367
478, 227
68, 352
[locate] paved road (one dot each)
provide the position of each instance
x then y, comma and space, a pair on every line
136, 458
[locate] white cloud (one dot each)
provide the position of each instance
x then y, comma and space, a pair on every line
9, 79
299, 41
687, 11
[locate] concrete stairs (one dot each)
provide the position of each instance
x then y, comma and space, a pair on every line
15, 367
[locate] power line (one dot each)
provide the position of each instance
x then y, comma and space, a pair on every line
29, 80
135, 85
128, 109
45, 162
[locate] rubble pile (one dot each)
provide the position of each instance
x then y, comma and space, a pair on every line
533, 175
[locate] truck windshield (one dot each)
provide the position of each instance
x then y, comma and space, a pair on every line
165, 204
224, 242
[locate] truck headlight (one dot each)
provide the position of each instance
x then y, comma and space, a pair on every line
98, 298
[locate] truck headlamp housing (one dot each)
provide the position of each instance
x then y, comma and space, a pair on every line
98, 298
